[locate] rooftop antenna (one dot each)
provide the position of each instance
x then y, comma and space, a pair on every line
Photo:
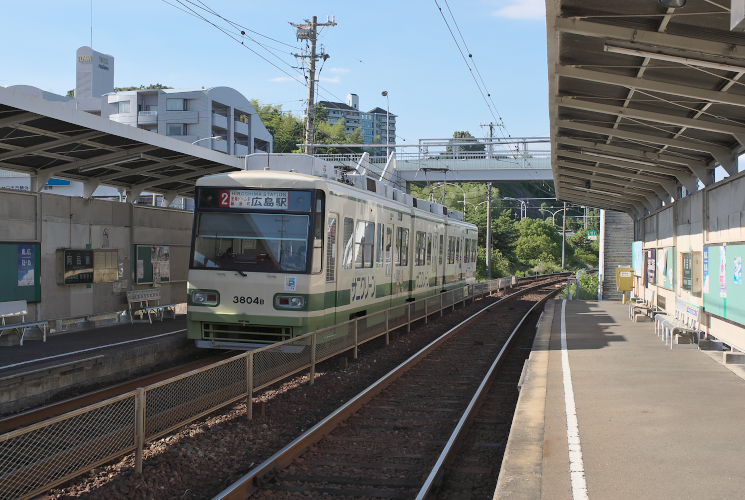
91, 23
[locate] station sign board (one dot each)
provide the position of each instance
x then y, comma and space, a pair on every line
77, 266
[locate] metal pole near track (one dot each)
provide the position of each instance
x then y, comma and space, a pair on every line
250, 385
139, 428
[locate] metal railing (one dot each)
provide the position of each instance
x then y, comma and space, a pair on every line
41, 456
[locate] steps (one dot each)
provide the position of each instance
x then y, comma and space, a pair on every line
616, 248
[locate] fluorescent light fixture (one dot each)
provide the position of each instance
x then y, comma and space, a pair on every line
676, 59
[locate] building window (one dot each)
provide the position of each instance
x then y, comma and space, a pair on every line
123, 107
176, 129
176, 105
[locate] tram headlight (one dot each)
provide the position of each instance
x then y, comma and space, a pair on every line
205, 298
289, 302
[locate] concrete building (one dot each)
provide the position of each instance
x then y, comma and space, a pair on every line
220, 118
376, 125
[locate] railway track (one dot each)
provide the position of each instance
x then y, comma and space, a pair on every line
393, 439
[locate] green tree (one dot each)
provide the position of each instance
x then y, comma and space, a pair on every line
71, 93
538, 243
465, 136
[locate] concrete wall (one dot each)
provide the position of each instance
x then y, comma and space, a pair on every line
714, 215
58, 222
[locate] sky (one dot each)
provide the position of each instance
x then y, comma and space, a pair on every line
402, 46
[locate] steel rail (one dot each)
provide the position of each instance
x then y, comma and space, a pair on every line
473, 405
246, 485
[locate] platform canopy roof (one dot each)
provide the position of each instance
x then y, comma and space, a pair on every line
644, 100
51, 139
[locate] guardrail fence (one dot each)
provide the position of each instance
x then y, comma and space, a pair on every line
41, 456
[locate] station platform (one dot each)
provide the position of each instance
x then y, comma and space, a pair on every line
67, 364
616, 414
67, 346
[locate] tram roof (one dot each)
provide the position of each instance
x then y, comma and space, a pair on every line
50, 139
644, 99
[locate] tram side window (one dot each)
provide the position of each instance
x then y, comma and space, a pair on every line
402, 246
347, 260
467, 252
429, 248
379, 246
421, 249
364, 238
331, 249
441, 249
457, 251
388, 244
317, 259
451, 249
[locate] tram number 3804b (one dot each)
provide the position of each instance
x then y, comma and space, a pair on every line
247, 300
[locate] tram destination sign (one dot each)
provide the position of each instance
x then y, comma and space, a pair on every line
245, 198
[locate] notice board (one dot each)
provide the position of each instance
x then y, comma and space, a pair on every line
19, 274
724, 290
666, 267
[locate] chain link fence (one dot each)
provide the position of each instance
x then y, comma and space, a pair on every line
46, 454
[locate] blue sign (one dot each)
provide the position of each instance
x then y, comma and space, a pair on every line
26, 265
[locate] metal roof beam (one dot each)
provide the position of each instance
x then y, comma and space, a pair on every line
123, 172
699, 169
602, 201
9, 121
683, 176
23, 151
197, 172
689, 45
571, 102
665, 186
721, 154
647, 192
96, 161
631, 82
599, 189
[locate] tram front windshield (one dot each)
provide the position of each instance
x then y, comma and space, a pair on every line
252, 242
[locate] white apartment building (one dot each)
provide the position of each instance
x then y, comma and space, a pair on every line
376, 125
220, 118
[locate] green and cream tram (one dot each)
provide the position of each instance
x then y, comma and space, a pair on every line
277, 253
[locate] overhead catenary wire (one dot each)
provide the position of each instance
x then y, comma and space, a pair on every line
234, 34
485, 94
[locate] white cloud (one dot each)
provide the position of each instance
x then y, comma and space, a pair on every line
332, 79
281, 79
522, 9
339, 70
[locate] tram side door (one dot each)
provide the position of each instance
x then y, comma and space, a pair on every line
332, 264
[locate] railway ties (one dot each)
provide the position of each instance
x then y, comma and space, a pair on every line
386, 446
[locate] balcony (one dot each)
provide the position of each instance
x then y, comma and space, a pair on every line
221, 146
241, 149
147, 117
219, 121
240, 128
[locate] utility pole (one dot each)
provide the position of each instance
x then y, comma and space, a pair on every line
490, 150
309, 31
488, 231
564, 237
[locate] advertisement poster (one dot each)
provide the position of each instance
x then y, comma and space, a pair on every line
737, 275
160, 257
723, 272
26, 265
651, 266
706, 270
662, 265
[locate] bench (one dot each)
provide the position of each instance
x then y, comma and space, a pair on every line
19, 309
667, 327
147, 301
